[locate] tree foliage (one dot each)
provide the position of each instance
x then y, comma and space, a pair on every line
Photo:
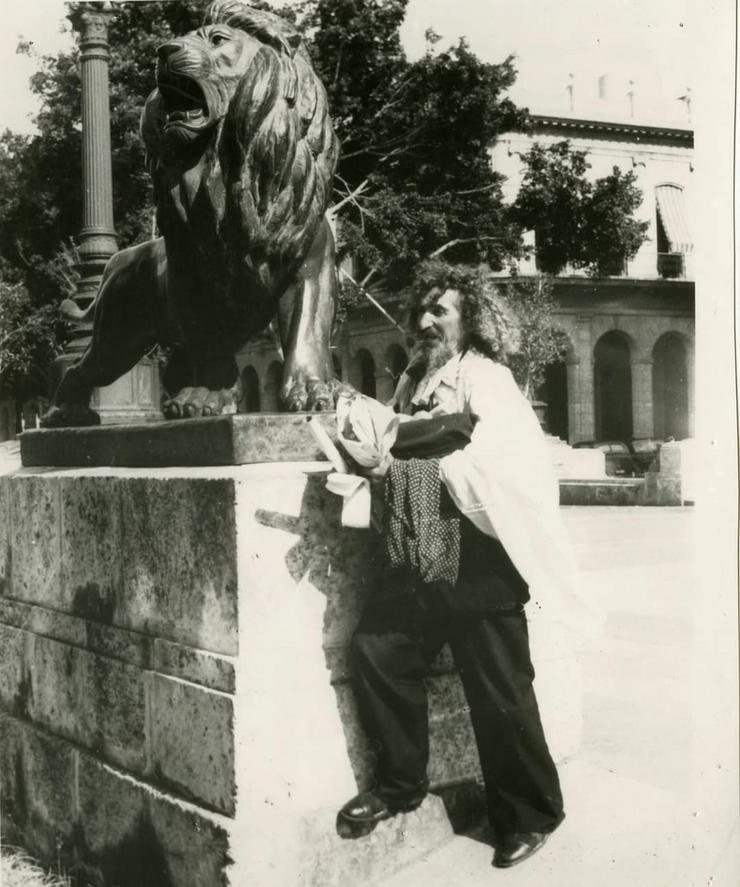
542, 342
577, 222
415, 176
41, 176
28, 342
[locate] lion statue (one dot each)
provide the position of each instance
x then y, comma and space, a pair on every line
242, 153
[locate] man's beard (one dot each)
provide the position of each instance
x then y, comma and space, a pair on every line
430, 353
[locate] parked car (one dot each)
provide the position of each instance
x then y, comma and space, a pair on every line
645, 451
619, 459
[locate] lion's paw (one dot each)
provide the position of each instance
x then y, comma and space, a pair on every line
312, 394
190, 403
69, 415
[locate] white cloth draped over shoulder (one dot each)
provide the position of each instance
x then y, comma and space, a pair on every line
503, 480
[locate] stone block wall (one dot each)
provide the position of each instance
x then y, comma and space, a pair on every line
175, 700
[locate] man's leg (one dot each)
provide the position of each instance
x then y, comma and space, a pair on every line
522, 785
391, 651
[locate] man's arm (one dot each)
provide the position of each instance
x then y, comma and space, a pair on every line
506, 425
504, 483
508, 456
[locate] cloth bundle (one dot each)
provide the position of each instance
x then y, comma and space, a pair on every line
370, 433
433, 437
366, 430
420, 535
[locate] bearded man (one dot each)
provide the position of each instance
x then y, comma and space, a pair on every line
486, 541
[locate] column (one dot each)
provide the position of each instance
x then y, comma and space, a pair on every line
136, 395
97, 239
384, 384
690, 385
581, 384
574, 412
643, 418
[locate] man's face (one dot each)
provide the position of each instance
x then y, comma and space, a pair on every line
439, 326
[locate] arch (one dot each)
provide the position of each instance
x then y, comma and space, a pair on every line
250, 398
555, 390
396, 361
363, 372
555, 395
670, 387
7, 421
613, 387
273, 383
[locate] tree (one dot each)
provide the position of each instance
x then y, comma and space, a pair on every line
614, 235
415, 174
415, 178
48, 170
577, 222
541, 341
28, 343
41, 181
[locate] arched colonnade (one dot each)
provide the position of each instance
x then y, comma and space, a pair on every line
618, 382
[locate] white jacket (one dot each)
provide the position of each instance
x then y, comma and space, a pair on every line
503, 480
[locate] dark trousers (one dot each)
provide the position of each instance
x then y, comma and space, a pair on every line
395, 642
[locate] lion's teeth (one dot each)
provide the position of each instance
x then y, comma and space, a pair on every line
177, 116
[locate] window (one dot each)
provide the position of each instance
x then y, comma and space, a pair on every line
673, 240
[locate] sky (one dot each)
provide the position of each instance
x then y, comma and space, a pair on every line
649, 42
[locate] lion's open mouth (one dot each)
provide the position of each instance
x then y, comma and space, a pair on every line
184, 101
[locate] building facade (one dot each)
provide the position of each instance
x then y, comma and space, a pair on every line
630, 365
629, 369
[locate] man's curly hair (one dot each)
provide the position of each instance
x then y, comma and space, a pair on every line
489, 325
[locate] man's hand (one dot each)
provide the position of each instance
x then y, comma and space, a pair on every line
379, 471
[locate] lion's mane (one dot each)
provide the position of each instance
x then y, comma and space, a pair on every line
276, 147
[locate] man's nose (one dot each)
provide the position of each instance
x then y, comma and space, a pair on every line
425, 321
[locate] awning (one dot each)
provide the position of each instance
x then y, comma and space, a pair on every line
673, 216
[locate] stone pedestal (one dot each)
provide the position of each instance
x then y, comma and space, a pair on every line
664, 483
218, 440
175, 696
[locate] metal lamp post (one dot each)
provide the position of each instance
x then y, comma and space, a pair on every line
135, 396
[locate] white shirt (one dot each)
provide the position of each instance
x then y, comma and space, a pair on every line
503, 480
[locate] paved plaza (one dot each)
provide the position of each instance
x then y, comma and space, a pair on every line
652, 794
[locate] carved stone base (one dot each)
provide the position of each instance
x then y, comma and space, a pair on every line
135, 397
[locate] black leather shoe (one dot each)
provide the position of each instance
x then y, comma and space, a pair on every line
359, 816
518, 847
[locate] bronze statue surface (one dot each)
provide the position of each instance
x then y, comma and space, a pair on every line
242, 155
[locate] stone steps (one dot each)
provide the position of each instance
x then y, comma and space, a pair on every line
391, 848
608, 491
